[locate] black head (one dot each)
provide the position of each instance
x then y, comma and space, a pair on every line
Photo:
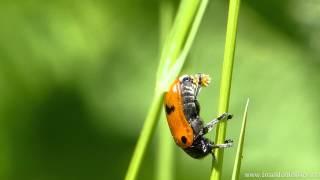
200, 148
185, 78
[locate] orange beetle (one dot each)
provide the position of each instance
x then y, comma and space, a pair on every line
182, 111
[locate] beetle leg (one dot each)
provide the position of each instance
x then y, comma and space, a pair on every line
197, 91
209, 126
227, 143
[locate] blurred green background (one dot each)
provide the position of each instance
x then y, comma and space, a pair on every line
77, 78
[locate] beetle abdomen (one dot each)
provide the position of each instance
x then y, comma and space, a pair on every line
191, 106
189, 98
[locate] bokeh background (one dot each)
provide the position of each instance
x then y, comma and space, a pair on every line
77, 78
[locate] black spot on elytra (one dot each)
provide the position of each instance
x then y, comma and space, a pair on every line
184, 139
169, 109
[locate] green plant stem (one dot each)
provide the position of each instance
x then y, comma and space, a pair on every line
225, 84
165, 157
145, 136
237, 162
170, 63
173, 56
192, 34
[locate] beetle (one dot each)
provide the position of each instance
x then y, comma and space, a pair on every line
183, 116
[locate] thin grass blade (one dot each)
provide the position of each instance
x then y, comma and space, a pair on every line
237, 162
225, 84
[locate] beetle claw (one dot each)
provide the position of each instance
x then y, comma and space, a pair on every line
230, 116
